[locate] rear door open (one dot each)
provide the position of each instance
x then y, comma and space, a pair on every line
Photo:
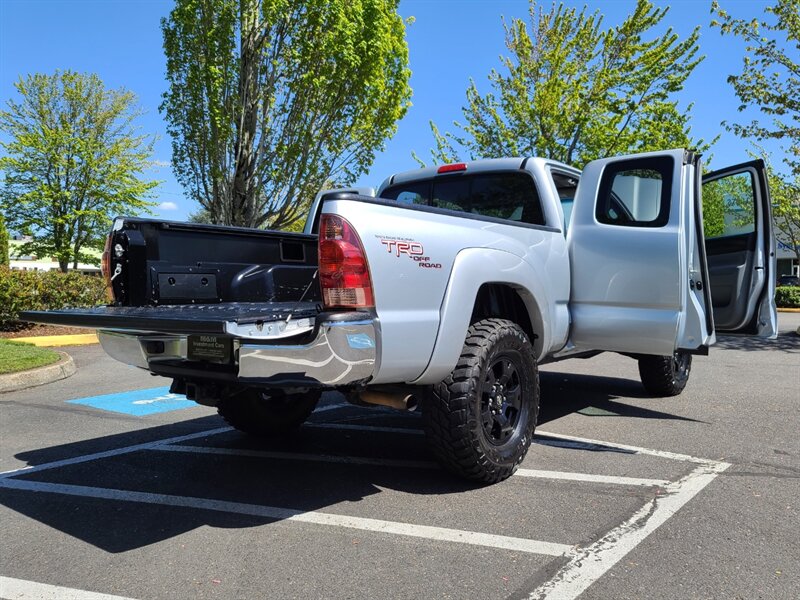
643, 277
740, 249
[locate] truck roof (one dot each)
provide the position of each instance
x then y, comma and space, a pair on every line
474, 166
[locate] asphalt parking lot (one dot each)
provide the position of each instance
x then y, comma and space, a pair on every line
622, 496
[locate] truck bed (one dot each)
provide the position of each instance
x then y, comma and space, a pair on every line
185, 278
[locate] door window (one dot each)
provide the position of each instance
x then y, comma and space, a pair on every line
566, 186
729, 206
636, 193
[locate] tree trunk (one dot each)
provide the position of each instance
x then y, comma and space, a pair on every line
246, 124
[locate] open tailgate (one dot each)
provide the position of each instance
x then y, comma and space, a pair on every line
245, 319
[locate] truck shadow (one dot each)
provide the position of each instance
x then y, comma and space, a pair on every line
563, 394
146, 481
124, 499
787, 341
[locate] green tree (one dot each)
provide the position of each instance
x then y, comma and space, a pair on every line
268, 99
4, 258
200, 216
785, 195
727, 205
573, 91
770, 77
74, 159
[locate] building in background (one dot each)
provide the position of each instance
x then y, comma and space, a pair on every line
18, 262
787, 261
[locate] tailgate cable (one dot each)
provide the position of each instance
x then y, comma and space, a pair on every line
117, 272
303, 295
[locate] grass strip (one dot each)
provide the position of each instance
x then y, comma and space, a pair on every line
18, 356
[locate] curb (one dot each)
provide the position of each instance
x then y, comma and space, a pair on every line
53, 341
789, 310
25, 379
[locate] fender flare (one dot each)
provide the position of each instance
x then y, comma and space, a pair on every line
472, 268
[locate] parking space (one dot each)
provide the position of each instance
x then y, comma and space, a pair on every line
620, 495
355, 476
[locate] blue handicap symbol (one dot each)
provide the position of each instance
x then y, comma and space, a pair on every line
360, 341
138, 402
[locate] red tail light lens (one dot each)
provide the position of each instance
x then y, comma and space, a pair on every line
452, 168
343, 269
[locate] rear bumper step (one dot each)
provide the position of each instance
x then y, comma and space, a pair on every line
343, 352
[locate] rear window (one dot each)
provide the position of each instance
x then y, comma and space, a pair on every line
511, 196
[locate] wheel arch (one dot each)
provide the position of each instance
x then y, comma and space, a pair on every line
487, 283
507, 301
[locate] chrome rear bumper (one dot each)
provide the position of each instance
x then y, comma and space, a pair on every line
344, 351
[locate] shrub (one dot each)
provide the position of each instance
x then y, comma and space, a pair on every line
787, 296
45, 290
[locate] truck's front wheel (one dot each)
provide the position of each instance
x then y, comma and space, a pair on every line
665, 375
263, 414
480, 420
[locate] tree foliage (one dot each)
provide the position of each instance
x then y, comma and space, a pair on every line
73, 161
785, 195
268, 99
728, 205
770, 77
770, 82
573, 91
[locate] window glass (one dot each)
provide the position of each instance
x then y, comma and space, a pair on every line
566, 186
636, 193
729, 206
566, 206
510, 196
453, 194
412, 193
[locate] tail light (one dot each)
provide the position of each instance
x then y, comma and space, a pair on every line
105, 267
343, 269
451, 168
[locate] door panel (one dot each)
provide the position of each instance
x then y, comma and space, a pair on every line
633, 251
740, 249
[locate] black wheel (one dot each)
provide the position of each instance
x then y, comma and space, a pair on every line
480, 420
665, 375
263, 414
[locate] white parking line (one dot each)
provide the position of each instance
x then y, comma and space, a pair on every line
584, 567
19, 589
599, 444
108, 453
587, 565
319, 518
135, 448
612, 479
400, 463
558, 439
328, 458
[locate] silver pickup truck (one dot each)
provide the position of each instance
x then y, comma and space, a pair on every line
445, 290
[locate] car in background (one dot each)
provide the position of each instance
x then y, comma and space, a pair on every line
785, 280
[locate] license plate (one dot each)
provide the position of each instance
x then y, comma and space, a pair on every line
211, 348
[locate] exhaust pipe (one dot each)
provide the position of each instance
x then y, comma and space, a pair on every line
396, 400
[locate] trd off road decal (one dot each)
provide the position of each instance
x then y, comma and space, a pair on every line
409, 248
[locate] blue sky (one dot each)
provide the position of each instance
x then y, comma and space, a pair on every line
449, 42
